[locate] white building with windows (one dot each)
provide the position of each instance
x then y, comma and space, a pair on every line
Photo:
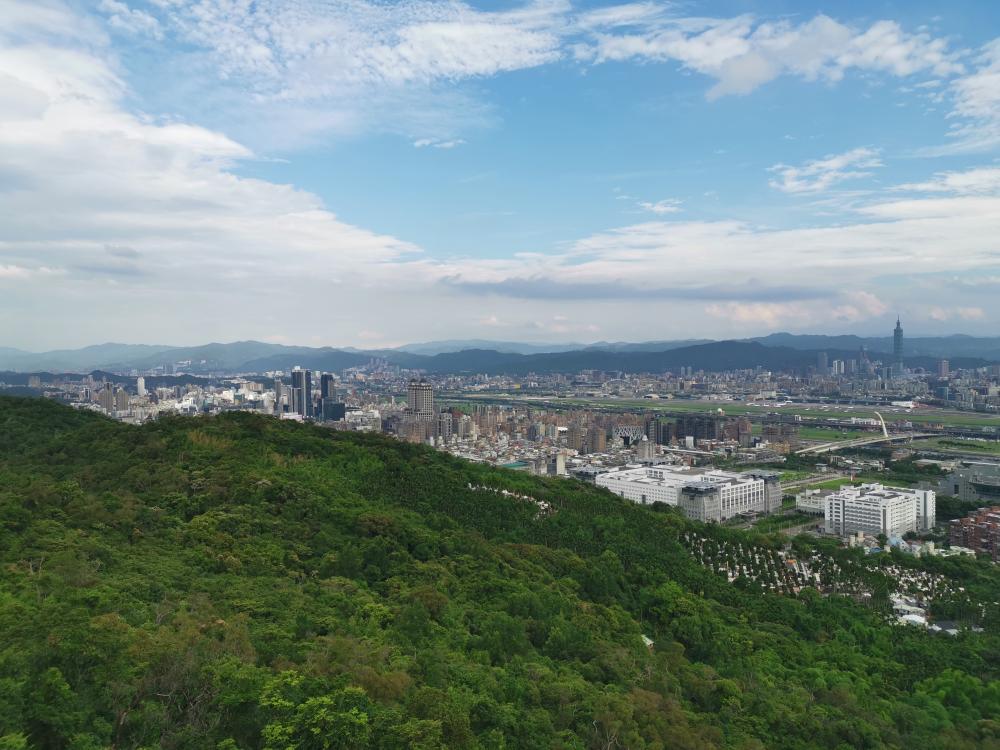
702, 493
876, 509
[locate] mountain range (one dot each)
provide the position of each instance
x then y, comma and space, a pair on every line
779, 351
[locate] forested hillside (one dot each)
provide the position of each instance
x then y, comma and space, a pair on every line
240, 582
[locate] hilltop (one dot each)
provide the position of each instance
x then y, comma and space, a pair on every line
783, 352
243, 582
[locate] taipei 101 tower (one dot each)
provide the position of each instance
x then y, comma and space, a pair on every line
897, 348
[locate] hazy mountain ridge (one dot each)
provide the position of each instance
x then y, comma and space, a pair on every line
777, 351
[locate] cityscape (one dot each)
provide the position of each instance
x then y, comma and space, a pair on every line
499, 375
716, 445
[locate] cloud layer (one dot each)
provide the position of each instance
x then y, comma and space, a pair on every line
135, 226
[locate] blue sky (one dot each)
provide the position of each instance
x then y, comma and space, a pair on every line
362, 173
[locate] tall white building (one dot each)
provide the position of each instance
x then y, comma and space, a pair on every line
876, 509
140, 386
703, 494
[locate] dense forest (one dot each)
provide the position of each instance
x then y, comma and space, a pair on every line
242, 582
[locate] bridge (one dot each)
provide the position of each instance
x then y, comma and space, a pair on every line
859, 442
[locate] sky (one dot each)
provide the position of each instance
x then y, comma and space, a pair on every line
370, 173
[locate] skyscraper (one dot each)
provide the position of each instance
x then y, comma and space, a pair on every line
302, 391
897, 347
420, 397
822, 366
327, 386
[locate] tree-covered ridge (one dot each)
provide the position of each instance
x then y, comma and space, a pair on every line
241, 582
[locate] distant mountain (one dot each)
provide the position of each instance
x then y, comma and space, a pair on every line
257, 356
715, 356
646, 346
430, 348
986, 347
77, 360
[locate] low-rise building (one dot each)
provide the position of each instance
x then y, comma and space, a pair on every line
812, 501
704, 494
978, 531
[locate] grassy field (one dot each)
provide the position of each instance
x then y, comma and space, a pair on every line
830, 435
957, 445
730, 408
779, 522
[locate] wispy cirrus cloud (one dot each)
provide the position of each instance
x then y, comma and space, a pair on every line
968, 182
339, 66
743, 53
665, 206
821, 174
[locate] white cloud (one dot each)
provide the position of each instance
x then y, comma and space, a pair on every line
133, 21
942, 314
425, 142
820, 174
980, 180
305, 67
742, 53
91, 175
665, 206
128, 216
976, 105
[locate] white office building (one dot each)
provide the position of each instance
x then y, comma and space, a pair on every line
702, 493
812, 501
876, 509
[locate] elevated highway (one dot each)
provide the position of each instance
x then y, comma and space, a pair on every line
898, 437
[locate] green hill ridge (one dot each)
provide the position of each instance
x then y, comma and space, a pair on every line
243, 582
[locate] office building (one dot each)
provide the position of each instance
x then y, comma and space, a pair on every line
420, 398
279, 396
302, 392
876, 509
715, 494
821, 364
332, 410
943, 368
812, 501
140, 386
973, 483
327, 386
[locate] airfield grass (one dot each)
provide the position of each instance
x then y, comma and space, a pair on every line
890, 414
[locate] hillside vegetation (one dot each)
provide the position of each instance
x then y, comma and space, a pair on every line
241, 582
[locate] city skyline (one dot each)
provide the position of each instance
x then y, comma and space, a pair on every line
361, 174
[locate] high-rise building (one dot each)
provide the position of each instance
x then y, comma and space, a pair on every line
897, 347
302, 392
597, 439
106, 398
279, 392
943, 368
140, 386
699, 427
821, 364
121, 400
327, 386
420, 397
